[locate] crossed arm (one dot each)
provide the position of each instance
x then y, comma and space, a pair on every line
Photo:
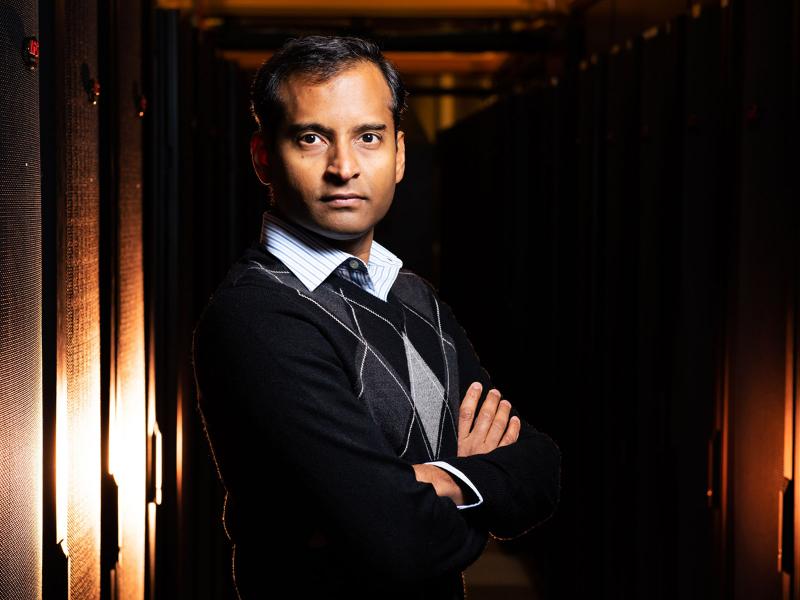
519, 481
492, 428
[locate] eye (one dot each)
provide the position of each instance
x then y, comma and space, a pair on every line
308, 138
371, 138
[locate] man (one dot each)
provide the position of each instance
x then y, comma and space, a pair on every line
331, 380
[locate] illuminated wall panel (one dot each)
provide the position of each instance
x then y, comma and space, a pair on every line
764, 280
78, 401
20, 311
129, 429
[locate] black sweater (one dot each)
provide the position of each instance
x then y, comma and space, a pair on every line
305, 400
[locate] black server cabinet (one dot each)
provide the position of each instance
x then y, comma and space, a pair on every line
20, 304
656, 245
72, 89
698, 351
761, 413
618, 220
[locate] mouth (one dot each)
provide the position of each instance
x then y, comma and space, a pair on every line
343, 199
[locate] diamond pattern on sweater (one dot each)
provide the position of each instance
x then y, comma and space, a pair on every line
427, 393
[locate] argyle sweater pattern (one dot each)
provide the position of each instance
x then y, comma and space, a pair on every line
317, 403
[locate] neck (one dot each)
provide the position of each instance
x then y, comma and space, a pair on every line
358, 246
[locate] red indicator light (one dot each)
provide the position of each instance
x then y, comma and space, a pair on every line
94, 94
30, 52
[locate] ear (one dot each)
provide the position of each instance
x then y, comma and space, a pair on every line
259, 156
400, 158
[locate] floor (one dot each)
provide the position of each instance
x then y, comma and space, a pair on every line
499, 575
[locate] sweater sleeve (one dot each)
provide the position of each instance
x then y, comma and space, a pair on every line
519, 483
277, 379
472, 496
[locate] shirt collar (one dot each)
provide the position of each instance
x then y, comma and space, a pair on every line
312, 260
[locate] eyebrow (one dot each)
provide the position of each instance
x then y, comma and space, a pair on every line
295, 128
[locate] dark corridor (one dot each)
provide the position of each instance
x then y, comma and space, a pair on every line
618, 173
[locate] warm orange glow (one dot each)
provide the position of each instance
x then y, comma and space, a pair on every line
84, 469
447, 104
129, 379
112, 435
408, 63
434, 63
461, 8
78, 438
151, 403
152, 427
179, 447
62, 466
158, 463
130, 434
788, 420
151, 545
153, 430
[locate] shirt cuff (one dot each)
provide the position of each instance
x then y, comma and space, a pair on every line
457, 473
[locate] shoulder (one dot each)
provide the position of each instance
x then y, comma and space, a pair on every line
248, 328
422, 295
413, 288
257, 268
253, 301
256, 276
406, 276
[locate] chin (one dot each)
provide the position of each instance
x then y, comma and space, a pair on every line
342, 228
342, 232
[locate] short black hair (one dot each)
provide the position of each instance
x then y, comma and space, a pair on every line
320, 58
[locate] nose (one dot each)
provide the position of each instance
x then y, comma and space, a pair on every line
343, 164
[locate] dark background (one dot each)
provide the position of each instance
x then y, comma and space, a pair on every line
607, 201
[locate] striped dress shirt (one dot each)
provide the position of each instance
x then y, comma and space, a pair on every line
312, 260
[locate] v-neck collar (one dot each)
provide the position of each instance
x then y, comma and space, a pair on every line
312, 259
392, 309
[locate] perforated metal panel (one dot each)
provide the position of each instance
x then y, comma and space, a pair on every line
20, 311
130, 428
78, 426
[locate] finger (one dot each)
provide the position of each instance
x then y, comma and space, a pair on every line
486, 415
466, 413
512, 432
499, 424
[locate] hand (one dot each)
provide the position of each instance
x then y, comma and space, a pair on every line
441, 481
492, 425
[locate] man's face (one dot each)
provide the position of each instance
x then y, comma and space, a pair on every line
335, 162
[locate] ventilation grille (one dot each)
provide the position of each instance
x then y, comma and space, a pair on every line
130, 427
20, 311
78, 458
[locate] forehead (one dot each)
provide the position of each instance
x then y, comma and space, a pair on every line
357, 93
